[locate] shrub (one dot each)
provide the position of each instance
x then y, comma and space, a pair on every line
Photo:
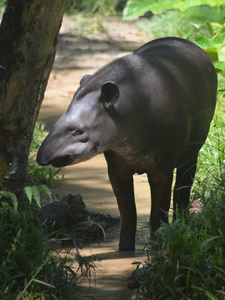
186, 259
26, 258
29, 268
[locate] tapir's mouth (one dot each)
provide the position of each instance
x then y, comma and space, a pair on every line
61, 161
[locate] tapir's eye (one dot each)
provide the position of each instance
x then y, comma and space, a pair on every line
79, 131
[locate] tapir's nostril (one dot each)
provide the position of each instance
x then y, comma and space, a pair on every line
40, 162
40, 159
43, 164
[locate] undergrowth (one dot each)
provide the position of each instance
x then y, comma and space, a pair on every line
210, 175
186, 258
29, 267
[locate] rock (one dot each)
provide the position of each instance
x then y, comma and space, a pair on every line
133, 282
67, 213
70, 217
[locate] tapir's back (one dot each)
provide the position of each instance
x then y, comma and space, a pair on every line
184, 73
182, 59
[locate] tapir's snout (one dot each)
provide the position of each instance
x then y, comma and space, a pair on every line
55, 161
41, 159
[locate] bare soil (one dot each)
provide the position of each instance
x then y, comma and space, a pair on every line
77, 56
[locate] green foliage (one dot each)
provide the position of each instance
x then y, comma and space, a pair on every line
186, 259
37, 174
2, 4
206, 22
137, 8
90, 15
171, 23
23, 248
109, 7
29, 268
210, 175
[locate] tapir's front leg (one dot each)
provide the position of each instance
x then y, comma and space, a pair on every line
122, 183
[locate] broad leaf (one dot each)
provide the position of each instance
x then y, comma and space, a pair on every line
10, 196
205, 12
220, 65
29, 193
137, 8
46, 191
36, 195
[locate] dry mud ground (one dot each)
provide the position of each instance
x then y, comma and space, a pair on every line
77, 56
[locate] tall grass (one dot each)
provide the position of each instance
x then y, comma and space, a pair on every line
186, 259
210, 175
28, 268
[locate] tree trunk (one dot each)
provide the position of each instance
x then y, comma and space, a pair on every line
28, 38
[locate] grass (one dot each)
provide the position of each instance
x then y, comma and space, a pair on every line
26, 260
29, 267
186, 259
210, 175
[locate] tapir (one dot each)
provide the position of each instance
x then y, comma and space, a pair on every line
148, 112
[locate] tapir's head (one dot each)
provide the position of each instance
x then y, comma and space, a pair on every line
86, 129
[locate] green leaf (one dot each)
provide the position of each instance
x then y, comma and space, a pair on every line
12, 197
137, 8
29, 193
212, 53
204, 42
207, 30
14, 201
219, 40
205, 12
46, 191
43, 283
222, 54
221, 89
220, 65
36, 195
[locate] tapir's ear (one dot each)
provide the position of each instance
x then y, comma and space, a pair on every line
84, 78
109, 94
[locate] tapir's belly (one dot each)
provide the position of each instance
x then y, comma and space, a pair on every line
135, 161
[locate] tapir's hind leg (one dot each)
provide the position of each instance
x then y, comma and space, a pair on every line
160, 198
184, 179
123, 187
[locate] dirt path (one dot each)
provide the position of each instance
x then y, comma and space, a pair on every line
76, 57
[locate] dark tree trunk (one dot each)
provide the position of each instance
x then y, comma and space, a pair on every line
28, 38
